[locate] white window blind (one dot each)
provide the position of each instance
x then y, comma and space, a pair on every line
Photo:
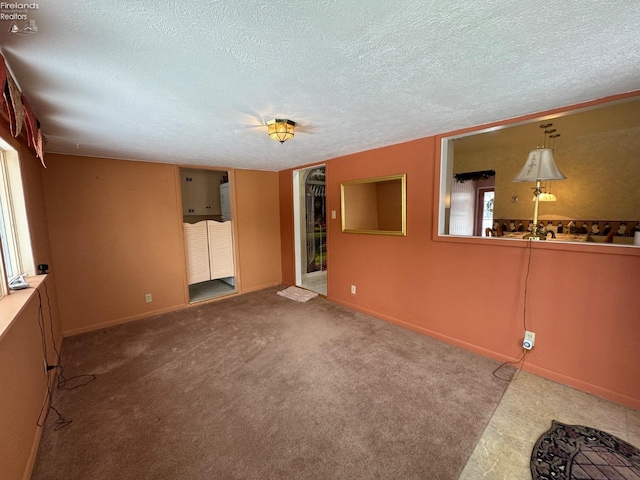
462, 208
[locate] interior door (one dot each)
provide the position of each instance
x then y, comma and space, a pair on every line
220, 249
197, 250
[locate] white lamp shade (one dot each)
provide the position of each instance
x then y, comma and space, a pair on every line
540, 165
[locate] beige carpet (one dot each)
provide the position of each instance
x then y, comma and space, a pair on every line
260, 387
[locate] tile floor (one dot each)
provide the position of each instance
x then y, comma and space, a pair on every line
316, 282
208, 290
526, 411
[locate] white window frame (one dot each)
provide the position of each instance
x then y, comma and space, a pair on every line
14, 216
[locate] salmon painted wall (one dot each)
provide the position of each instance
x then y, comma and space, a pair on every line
116, 235
258, 218
22, 376
285, 178
24, 382
114, 238
582, 305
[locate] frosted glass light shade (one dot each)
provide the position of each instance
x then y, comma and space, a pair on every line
281, 129
545, 197
540, 165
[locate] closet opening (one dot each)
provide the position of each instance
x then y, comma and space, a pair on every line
208, 233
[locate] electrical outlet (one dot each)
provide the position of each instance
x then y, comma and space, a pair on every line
529, 340
333, 214
148, 298
353, 289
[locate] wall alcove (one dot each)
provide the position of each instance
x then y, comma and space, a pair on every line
374, 205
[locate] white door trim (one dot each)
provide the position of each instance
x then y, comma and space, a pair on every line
299, 176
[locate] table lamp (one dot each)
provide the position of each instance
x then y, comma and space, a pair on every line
539, 166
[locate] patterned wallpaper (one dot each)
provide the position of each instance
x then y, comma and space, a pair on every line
594, 228
603, 179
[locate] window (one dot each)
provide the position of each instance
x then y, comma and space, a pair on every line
596, 148
17, 257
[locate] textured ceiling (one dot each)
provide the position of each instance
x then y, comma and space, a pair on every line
194, 82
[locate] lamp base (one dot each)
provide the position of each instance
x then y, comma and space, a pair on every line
534, 236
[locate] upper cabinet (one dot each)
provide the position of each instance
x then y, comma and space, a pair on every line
200, 192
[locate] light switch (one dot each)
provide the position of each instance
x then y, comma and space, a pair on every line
333, 214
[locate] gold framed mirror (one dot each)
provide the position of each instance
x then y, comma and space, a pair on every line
375, 205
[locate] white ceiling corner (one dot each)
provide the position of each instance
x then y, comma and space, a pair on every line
195, 82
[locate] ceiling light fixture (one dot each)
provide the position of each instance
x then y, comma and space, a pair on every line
281, 129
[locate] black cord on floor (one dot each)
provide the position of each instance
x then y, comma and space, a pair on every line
82, 380
63, 382
61, 422
518, 369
